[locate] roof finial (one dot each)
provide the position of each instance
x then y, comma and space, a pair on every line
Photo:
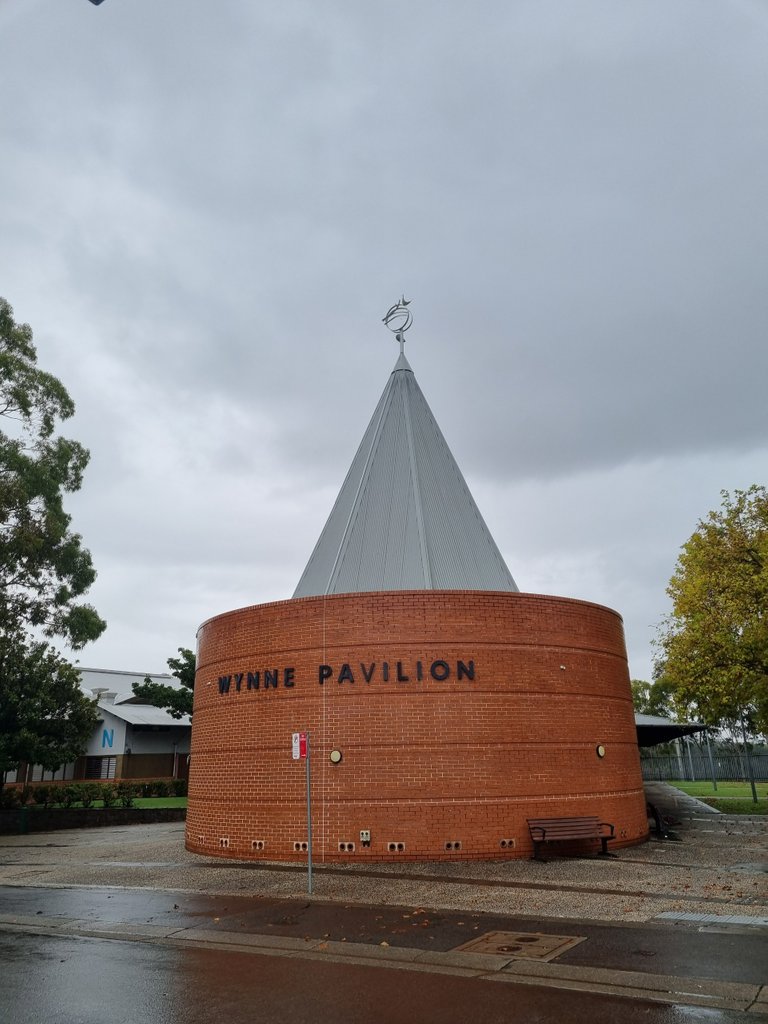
398, 319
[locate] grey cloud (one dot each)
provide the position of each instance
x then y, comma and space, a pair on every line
207, 208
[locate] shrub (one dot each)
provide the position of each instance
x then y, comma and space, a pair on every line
50, 797
10, 799
180, 787
43, 796
68, 796
108, 794
162, 787
89, 792
126, 793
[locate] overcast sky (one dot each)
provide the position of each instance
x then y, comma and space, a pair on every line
206, 207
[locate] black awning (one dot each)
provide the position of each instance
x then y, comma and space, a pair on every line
652, 730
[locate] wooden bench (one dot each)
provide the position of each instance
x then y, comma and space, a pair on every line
568, 830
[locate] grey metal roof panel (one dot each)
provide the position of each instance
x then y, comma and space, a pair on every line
404, 518
144, 714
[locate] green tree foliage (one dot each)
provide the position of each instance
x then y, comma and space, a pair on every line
177, 701
654, 698
44, 569
715, 641
45, 718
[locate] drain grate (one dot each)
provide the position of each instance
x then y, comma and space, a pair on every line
522, 945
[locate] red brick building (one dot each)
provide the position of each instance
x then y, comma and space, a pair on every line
444, 708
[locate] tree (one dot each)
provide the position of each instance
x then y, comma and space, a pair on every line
715, 641
177, 701
45, 718
44, 569
652, 698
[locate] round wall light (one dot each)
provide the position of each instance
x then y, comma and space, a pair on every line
600, 750
335, 756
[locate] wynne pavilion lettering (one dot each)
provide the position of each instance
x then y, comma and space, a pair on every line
439, 670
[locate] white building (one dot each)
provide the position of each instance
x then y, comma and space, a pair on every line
132, 740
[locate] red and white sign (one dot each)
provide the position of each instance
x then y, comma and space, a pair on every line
299, 748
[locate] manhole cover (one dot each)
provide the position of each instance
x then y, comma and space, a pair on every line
522, 945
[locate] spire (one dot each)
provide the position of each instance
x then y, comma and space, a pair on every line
404, 518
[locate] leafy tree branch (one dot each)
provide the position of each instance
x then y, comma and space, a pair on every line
177, 701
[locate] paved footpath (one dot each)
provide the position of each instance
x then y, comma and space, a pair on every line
682, 922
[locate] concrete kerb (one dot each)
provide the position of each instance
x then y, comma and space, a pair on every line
630, 984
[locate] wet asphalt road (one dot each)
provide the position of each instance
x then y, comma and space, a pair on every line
729, 954
64, 980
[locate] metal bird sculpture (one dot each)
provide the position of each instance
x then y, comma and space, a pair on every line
399, 318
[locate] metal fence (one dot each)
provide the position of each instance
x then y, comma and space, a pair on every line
694, 764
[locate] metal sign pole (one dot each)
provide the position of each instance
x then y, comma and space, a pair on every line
711, 762
299, 751
309, 822
748, 760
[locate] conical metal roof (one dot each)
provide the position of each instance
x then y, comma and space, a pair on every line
404, 518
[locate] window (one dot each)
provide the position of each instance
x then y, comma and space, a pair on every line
100, 767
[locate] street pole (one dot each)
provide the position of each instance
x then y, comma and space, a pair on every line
690, 759
309, 820
680, 762
749, 760
711, 762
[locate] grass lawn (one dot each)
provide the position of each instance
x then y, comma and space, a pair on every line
149, 801
730, 797
139, 801
160, 801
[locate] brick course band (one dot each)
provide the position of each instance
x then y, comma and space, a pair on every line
458, 716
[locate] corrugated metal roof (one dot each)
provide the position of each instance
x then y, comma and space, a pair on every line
404, 518
143, 714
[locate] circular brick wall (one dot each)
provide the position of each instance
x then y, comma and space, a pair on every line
458, 716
